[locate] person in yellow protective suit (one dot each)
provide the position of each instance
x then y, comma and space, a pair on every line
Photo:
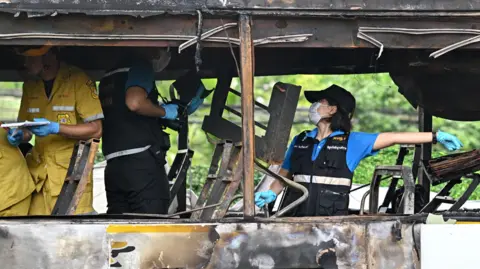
66, 99
16, 184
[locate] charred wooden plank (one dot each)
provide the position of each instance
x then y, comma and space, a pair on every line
454, 165
247, 66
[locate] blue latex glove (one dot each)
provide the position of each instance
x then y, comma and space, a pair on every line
171, 111
196, 101
16, 139
264, 197
44, 130
449, 141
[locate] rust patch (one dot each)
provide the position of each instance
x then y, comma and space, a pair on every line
281, 24
107, 26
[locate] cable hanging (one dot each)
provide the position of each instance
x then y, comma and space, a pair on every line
386, 30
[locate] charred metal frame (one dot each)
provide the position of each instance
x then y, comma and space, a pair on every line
221, 152
79, 171
356, 242
390, 195
396, 171
180, 166
425, 122
281, 109
217, 189
178, 171
443, 196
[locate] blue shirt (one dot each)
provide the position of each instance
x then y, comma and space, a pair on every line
360, 146
141, 74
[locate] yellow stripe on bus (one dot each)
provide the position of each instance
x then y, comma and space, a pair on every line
179, 228
468, 222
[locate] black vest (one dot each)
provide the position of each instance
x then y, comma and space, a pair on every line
331, 179
122, 128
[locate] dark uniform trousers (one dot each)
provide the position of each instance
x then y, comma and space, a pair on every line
136, 183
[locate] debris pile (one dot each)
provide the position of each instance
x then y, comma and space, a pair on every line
454, 165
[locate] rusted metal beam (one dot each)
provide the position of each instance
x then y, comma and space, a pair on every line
159, 31
162, 31
300, 7
247, 61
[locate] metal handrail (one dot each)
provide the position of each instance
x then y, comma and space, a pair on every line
290, 183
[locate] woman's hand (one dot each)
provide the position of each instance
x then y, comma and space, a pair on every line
449, 141
264, 197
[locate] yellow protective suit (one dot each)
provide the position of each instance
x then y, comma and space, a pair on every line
16, 184
74, 100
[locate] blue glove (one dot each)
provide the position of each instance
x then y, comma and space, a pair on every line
264, 197
449, 141
196, 101
44, 130
15, 139
171, 111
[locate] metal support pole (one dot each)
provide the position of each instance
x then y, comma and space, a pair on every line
183, 145
424, 125
248, 128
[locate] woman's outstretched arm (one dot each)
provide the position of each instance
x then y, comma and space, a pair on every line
385, 140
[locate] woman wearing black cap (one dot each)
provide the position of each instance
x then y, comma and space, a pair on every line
325, 158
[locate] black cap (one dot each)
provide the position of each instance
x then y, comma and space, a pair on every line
336, 93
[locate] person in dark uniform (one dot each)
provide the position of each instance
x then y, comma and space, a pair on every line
325, 158
134, 143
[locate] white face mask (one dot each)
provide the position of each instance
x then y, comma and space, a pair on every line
313, 114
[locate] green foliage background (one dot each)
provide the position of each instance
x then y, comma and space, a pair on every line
380, 108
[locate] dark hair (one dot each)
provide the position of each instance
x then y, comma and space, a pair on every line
340, 120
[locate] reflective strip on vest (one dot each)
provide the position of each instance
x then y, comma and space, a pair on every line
94, 117
126, 152
322, 180
33, 110
119, 70
63, 108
